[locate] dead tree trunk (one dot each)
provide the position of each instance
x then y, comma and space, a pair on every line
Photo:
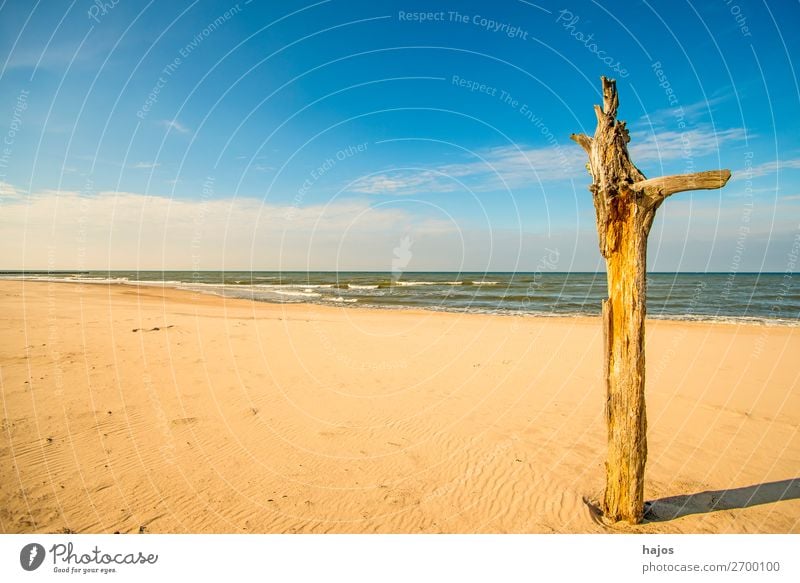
625, 204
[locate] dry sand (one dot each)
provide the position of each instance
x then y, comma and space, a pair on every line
157, 410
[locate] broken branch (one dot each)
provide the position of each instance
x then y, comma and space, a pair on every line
664, 186
583, 141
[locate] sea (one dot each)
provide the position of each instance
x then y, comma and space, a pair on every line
766, 298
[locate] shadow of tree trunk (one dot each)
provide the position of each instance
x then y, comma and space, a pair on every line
674, 507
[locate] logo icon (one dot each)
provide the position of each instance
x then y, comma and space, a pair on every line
402, 256
31, 556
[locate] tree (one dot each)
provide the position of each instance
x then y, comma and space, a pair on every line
625, 203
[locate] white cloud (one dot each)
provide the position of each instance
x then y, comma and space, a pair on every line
9, 192
173, 124
146, 165
690, 114
722, 234
671, 145
512, 167
500, 168
766, 169
121, 230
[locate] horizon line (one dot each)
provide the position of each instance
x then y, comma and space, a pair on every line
542, 272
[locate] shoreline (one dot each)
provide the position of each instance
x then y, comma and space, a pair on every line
163, 410
687, 318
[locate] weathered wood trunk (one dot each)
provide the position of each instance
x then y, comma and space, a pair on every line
625, 205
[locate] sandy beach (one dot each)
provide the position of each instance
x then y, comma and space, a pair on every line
157, 410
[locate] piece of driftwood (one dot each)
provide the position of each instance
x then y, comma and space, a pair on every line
625, 203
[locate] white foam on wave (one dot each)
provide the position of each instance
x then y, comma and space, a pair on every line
713, 319
358, 286
200, 284
297, 294
412, 283
294, 285
156, 283
66, 279
340, 299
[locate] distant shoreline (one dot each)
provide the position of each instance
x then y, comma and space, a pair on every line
332, 296
294, 272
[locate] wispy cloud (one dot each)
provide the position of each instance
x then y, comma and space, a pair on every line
500, 168
672, 145
9, 192
66, 230
691, 113
511, 167
173, 124
146, 165
127, 229
766, 169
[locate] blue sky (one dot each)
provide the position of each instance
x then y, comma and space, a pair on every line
295, 135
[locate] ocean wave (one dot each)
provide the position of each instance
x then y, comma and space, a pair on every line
297, 294
562, 297
713, 319
201, 285
294, 285
145, 282
67, 279
413, 283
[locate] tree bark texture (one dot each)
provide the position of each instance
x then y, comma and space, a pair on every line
625, 204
